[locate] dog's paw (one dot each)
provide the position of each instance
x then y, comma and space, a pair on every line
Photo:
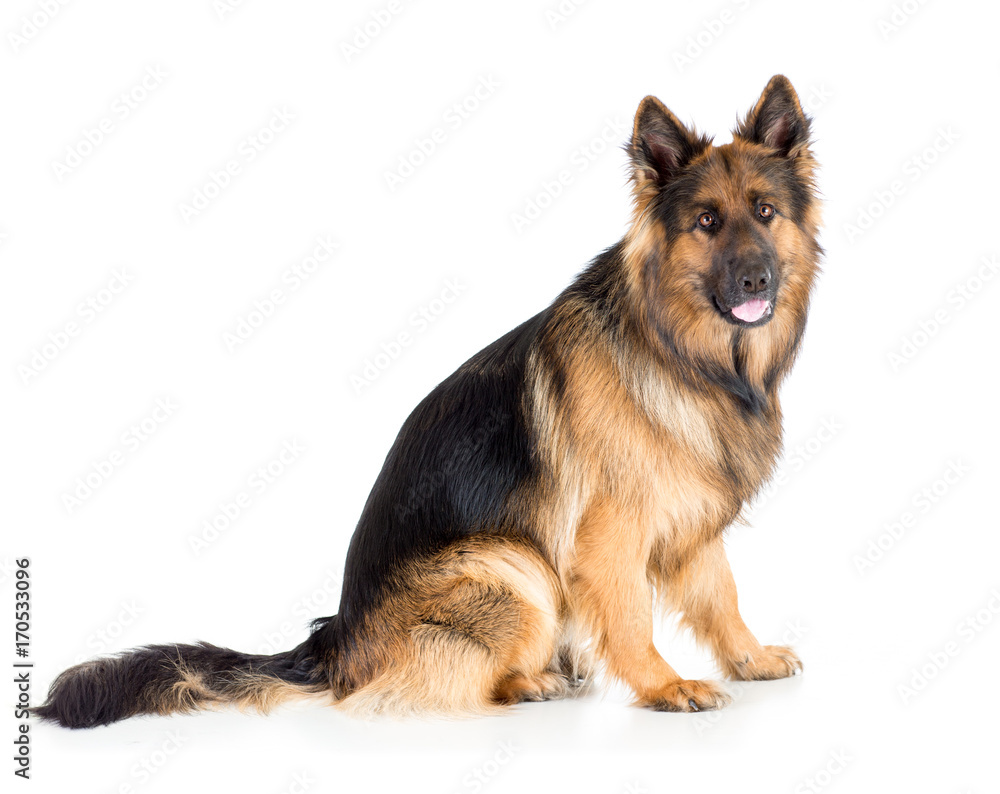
682, 695
521, 688
767, 664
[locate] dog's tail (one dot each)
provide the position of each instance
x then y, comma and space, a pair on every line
165, 679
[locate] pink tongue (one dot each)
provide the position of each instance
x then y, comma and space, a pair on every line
751, 310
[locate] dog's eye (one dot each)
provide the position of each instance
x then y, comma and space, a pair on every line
706, 220
766, 211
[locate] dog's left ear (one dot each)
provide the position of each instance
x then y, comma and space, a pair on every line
777, 120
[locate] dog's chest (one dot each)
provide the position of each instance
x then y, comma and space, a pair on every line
707, 466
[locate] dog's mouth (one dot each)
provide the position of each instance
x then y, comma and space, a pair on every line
754, 312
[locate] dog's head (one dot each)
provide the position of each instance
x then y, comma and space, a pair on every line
733, 226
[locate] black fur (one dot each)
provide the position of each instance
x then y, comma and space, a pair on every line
113, 688
474, 416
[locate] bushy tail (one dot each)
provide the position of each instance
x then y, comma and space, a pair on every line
163, 679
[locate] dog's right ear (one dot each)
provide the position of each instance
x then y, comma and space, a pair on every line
661, 146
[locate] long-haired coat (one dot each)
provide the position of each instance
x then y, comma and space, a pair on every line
578, 471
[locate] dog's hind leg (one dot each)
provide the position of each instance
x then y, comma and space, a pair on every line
481, 629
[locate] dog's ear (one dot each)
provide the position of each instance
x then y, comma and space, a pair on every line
661, 146
777, 120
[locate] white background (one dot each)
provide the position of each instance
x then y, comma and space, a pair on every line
913, 105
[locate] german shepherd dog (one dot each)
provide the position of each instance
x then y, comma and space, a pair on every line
574, 474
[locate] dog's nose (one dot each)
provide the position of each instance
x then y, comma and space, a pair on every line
753, 278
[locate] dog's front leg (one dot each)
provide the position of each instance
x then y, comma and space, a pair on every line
705, 593
612, 594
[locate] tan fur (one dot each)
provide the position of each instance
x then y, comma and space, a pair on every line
478, 627
246, 691
187, 694
263, 695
